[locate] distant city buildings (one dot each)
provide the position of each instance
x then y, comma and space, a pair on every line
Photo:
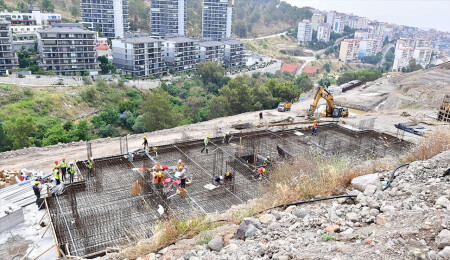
180, 54
323, 32
316, 20
109, 17
349, 50
167, 18
304, 33
407, 49
233, 53
370, 47
330, 17
138, 55
211, 51
35, 18
216, 19
68, 49
8, 60
338, 25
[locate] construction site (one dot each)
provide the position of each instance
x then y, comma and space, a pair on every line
119, 202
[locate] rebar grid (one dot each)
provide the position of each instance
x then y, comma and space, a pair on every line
101, 211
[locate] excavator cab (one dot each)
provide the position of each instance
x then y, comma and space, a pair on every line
331, 110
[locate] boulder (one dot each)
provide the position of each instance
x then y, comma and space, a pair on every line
360, 183
216, 244
443, 239
370, 190
353, 217
445, 253
242, 229
267, 218
300, 213
444, 202
381, 219
251, 231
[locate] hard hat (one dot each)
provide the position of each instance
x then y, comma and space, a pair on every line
63, 159
264, 170
144, 137
179, 160
207, 136
36, 182
56, 162
315, 120
228, 173
71, 163
154, 148
92, 158
221, 177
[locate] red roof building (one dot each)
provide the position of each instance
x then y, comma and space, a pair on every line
102, 46
312, 70
291, 68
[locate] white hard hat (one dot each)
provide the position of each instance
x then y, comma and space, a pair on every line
92, 158
221, 177
71, 163
179, 160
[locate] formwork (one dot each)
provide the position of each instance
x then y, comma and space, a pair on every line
444, 110
118, 202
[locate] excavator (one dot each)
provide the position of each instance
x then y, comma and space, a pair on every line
331, 110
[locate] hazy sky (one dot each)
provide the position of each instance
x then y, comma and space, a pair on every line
419, 13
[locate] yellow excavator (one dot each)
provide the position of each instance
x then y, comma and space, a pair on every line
331, 110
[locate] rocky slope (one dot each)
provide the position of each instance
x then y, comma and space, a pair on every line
409, 220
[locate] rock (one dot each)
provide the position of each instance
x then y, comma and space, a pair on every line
445, 253
274, 226
443, 201
332, 228
374, 212
217, 243
370, 190
242, 229
267, 218
301, 213
251, 231
353, 217
360, 183
347, 232
294, 226
340, 190
381, 219
188, 255
443, 239
387, 208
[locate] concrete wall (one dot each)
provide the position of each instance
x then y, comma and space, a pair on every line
9, 221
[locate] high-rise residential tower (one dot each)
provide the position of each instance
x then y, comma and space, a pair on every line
304, 33
216, 19
110, 17
8, 60
167, 17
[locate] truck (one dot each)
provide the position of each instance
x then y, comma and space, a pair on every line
284, 106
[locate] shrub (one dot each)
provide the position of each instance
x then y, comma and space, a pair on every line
432, 145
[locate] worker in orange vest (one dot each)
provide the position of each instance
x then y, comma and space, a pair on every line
314, 128
180, 165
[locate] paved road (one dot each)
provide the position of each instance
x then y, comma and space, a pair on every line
266, 37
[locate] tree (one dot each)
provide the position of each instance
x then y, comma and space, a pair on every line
47, 5
238, 95
139, 124
240, 29
20, 129
327, 67
210, 72
218, 107
3, 6
157, 112
22, 7
56, 134
80, 131
105, 65
108, 131
413, 66
5, 143
372, 59
192, 107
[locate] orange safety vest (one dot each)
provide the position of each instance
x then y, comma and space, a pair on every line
180, 165
158, 177
315, 125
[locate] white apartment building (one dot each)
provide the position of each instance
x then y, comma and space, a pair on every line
323, 32
180, 54
217, 19
422, 52
338, 25
304, 33
361, 34
389, 33
317, 19
404, 50
370, 47
8, 60
110, 17
17, 18
362, 23
349, 50
330, 17
167, 17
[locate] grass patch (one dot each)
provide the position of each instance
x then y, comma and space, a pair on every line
239, 215
328, 238
430, 146
204, 238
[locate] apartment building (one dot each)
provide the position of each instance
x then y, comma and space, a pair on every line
349, 50
388, 32
404, 50
110, 17
17, 18
323, 32
304, 33
180, 54
338, 25
216, 19
68, 49
211, 51
138, 55
233, 53
167, 17
316, 20
330, 17
362, 22
422, 51
370, 47
8, 60
361, 34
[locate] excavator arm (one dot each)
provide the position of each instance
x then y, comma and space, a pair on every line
322, 93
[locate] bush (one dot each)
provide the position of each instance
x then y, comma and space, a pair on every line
432, 145
108, 131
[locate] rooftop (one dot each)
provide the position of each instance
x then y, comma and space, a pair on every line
311, 69
291, 68
179, 39
231, 41
210, 43
66, 28
140, 39
102, 46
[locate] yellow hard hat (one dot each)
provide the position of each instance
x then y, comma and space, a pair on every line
144, 137
154, 148
315, 120
207, 136
228, 173
264, 170
36, 182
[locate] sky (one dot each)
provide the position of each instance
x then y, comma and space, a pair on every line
425, 14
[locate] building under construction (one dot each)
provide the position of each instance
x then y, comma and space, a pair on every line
118, 201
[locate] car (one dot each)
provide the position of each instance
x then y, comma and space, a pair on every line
38, 76
110, 79
21, 76
125, 80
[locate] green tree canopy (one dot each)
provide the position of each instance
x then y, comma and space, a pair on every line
47, 6
210, 72
20, 129
157, 112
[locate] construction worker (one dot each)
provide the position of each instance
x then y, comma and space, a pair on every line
156, 152
267, 161
260, 116
227, 138
158, 179
218, 180
145, 143
180, 165
37, 192
71, 171
63, 169
228, 177
90, 166
56, 165
314, 128
56, 174
262, 172
205, 142
183, 177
